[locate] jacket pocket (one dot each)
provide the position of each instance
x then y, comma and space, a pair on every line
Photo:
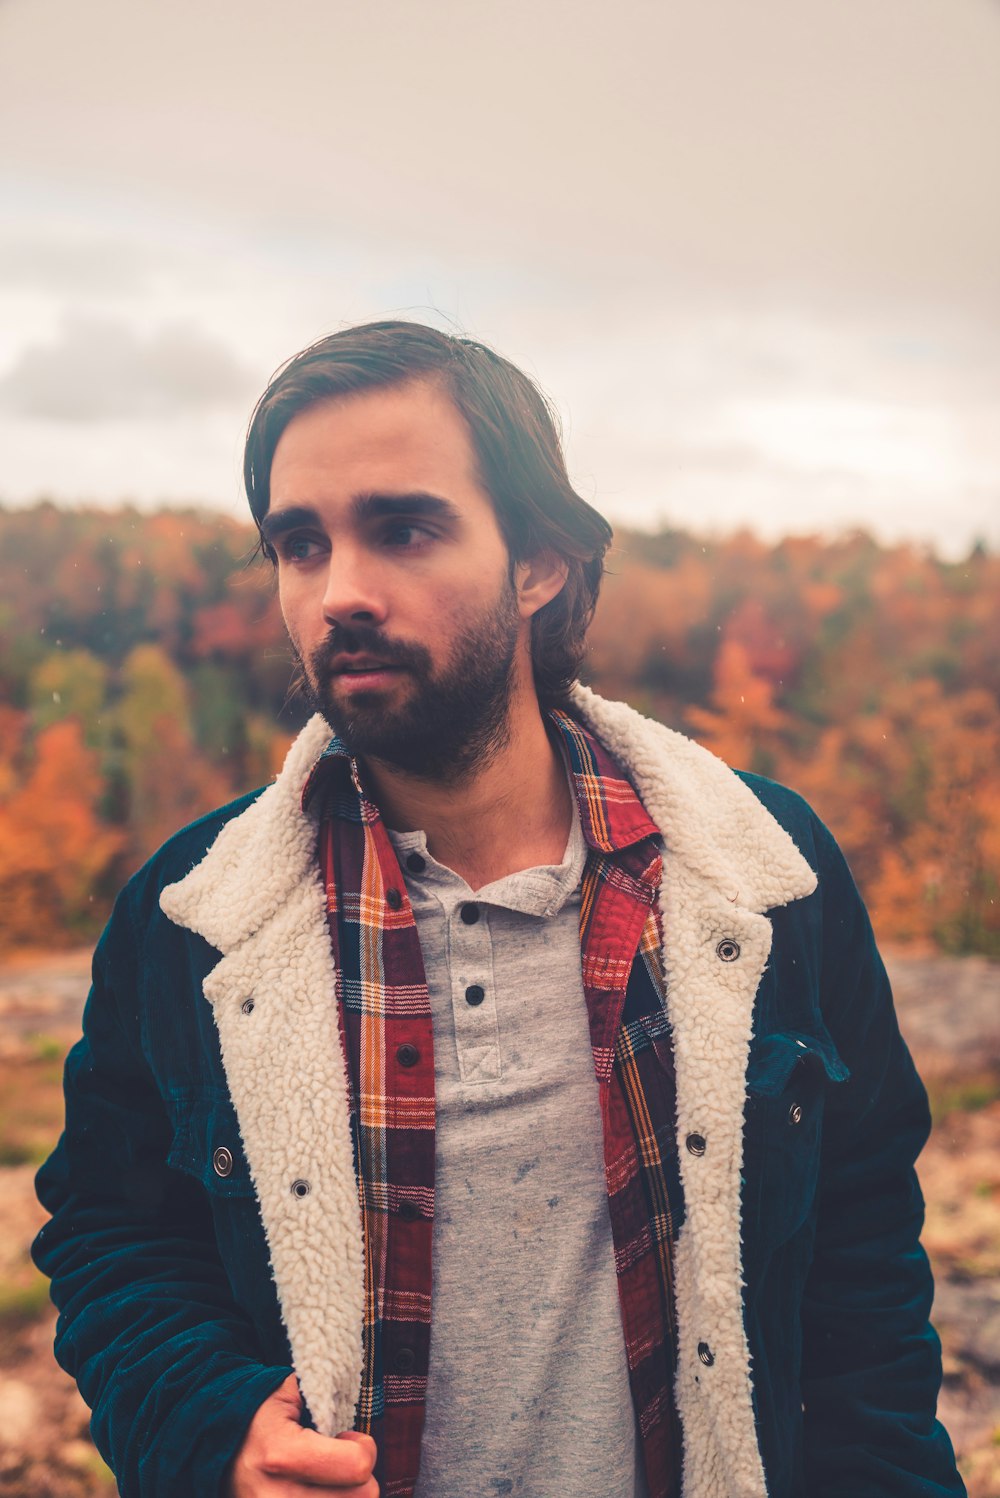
207, 1144
775, 1058
788, 1076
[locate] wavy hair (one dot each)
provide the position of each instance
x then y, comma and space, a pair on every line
518, 453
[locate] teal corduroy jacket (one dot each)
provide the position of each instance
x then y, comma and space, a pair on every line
190, 1283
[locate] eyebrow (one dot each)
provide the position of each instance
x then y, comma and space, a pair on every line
276, 522
417, 503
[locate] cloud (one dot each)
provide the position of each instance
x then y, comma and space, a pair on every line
100, 369
841, 150
80, 266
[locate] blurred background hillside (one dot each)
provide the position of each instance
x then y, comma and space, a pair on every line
145, 673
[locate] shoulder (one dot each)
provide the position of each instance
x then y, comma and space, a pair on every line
789, 809
182, 852
836, 902
806, 828
137, 927
276, 808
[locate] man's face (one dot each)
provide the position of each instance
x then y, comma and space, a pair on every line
394, 579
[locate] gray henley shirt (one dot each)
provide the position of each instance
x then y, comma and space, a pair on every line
528, 1390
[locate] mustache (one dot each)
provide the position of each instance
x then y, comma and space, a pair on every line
362, 639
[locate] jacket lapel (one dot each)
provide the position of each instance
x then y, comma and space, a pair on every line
257, 898
726, 861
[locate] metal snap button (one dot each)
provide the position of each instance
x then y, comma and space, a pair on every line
728, 950
695, 1144
301, 1188
247, 1006
222, 1161
795, 1113
705, 1354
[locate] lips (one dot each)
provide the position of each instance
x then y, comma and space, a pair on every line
359, 666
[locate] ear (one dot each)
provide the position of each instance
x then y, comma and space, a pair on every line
538, 580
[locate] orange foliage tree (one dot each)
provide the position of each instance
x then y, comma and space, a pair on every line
145, 671
938, 879
743, 726
55, 851
167, 780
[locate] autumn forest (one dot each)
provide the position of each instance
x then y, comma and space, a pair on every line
144, 677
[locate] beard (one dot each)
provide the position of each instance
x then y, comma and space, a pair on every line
453, 722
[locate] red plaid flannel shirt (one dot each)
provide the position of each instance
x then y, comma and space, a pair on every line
389, 1048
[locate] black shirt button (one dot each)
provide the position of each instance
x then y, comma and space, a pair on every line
470, 913
415, 863
405, 1360
407, 1055
409, 1211
475, 994
393, 899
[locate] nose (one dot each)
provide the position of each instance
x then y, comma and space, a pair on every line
352, 592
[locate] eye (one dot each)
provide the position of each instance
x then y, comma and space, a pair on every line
406, 534
298, 548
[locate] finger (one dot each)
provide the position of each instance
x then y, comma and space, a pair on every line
307, 1456
362, 1439
276, 1488
287, 1398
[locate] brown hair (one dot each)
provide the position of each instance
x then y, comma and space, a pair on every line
518, 451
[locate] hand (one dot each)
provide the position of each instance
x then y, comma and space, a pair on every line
280, 1458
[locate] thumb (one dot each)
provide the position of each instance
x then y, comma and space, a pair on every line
361, 1439
287, 1399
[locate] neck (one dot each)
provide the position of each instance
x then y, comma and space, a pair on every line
514, 812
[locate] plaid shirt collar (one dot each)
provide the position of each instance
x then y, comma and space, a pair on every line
612, 818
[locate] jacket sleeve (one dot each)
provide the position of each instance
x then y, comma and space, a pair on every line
147, 1324
871, 1360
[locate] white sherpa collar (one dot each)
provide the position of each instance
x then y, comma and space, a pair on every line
258, 859
708, 817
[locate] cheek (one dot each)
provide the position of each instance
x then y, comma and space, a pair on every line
295, 610
287, 611
426, 601
451, 613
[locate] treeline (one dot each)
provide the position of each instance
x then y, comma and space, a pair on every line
144, 677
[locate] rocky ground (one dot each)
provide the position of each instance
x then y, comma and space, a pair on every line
949, 1010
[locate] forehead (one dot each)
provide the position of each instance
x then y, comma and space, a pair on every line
410, 436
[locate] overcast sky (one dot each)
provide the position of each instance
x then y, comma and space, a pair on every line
752, 251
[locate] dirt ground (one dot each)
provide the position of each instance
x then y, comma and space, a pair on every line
949, 1011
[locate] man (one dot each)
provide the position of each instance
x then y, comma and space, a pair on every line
508, 1100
